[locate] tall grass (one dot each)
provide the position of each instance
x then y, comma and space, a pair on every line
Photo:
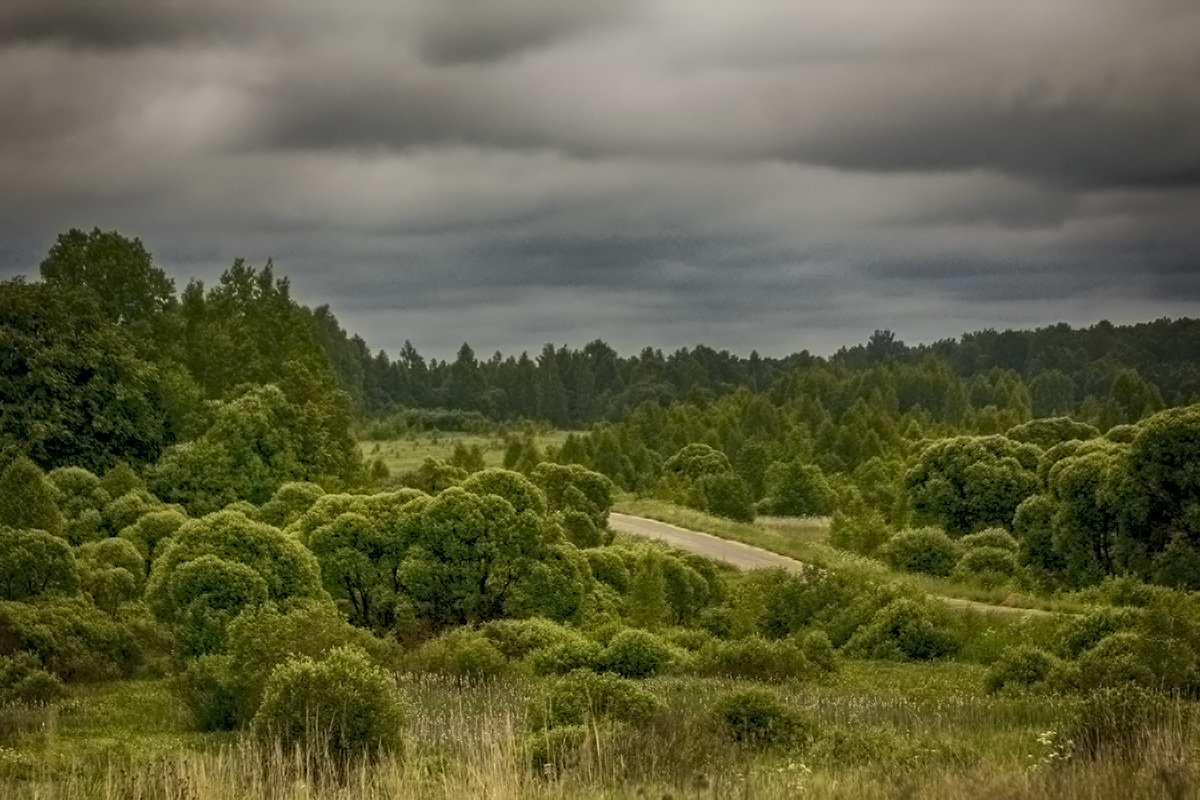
882, 731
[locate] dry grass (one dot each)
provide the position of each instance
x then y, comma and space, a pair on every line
885, 730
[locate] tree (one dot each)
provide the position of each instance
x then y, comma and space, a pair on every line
118, 271
27, 499
798, 489
216, 566
34, 563
468, 554
967, 483
1158, 492
72, 389
1083, 488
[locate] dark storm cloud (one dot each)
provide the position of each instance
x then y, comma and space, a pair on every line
751, 175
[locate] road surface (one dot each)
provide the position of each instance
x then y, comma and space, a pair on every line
746, 556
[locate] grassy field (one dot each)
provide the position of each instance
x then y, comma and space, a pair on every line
805, 539
408, 453
879, 730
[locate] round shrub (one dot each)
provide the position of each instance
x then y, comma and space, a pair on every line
1022, 667
566, 655
151, 533
754, 658
580, 530
465, 655
22, 680
635, 653
289, 502
35, 563
517, 638
1079, 633
927, 550
863, 532
1119, 658
582, 696
990, 537
608, 567
902, 629
758, 716
817, 648
342, 705
987, 565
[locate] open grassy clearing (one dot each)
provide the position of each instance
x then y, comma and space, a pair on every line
878, 730
805, 539
409, 452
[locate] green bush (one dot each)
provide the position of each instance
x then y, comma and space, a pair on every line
902, 629
753, 658
928, 550
577, 652
289, 502
342, 705
583, 696
817, 648
22, 680
34, 563
635, 653
759, 717
465, 655
863, 532
1082, 632
517, 638
989, 537
581, 531
609, 567
990, 566
1022, 667
212, 693
77, 641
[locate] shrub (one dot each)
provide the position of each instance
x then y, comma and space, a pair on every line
863, 532
517, 638
726, 495
577, 652
35, 563
902, 629
212, 693
582, 696
753, 658
1022, 667
27, 498
151, 533
608, 567
22, 680
1154, 662
990, 537
77, 641
289, 502
342, 705
927, 550
1079, 633
581, 531
757, 716
817, 648
635, 653
987, 565
465, 655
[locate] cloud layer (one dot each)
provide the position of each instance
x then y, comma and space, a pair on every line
752, 175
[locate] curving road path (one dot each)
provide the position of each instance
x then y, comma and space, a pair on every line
740, 555
746, 556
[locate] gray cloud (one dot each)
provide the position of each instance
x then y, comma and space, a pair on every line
750, 175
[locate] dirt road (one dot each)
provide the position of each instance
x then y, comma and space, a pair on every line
740, 555
745, 556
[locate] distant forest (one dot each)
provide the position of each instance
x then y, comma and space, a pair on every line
103, 361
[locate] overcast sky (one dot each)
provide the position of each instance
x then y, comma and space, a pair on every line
748, 175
